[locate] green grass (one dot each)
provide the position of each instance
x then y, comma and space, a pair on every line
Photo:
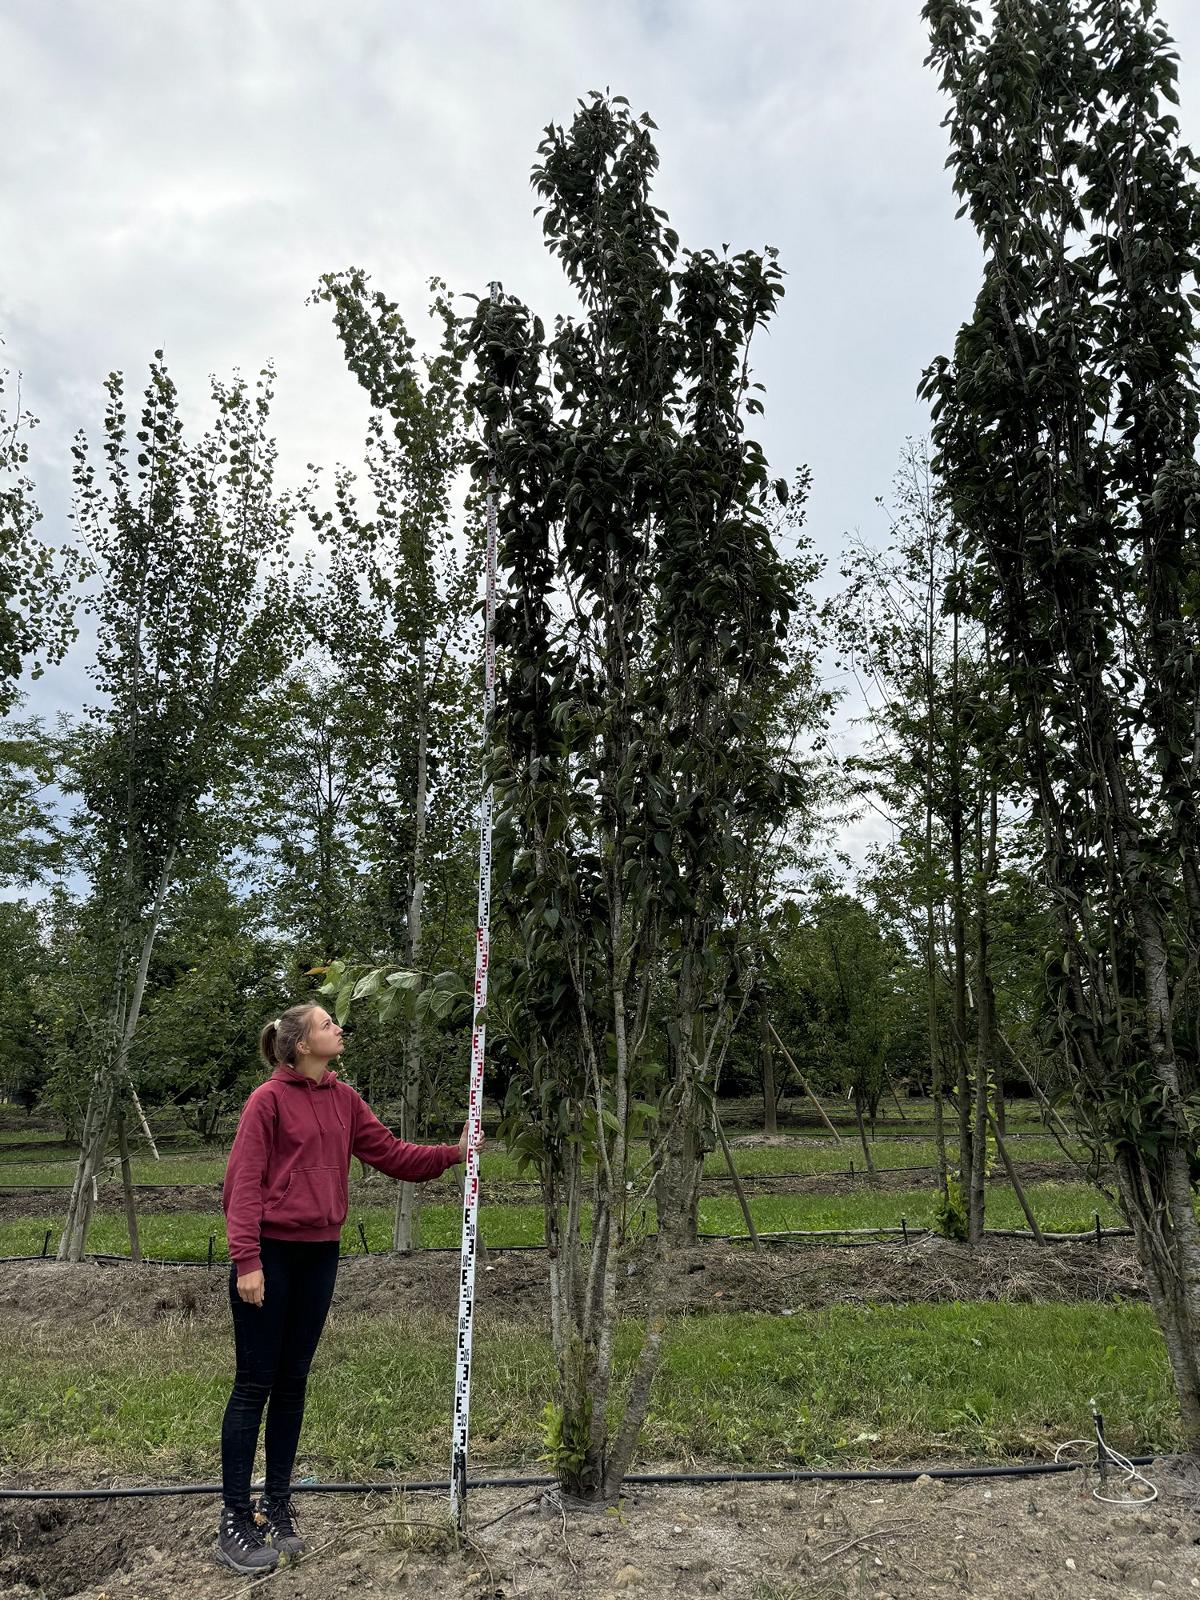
778, 1159
207, 1167
1059, 1207
842, 1386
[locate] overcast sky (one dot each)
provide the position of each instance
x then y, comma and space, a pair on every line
180, 174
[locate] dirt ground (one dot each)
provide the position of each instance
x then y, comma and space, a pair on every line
1038, 1539
713, 1277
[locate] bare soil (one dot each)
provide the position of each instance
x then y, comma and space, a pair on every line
513, 1284
1041, 1539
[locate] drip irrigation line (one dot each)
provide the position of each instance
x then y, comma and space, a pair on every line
1022, 1469
843, 1240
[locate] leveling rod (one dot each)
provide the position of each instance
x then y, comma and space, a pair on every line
466, 1286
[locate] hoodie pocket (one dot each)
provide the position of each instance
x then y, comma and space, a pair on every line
315, 1197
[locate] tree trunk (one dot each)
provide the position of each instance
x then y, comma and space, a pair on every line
958, 921
767, 1060
405, 1223
135, 1248
862, 1138
99, 1120
965, 1149
676, 1189
985, 1034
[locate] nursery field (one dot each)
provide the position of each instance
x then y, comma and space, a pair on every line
893, 1352
895, 1359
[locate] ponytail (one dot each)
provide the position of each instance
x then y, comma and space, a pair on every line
278, 1041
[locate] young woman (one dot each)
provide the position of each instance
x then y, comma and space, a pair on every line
285, 1199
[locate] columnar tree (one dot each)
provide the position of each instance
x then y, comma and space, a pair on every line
935, 702
197, 611
404, 556
1066, 430
36, 605
642, 613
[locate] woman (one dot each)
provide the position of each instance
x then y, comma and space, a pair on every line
285, 1198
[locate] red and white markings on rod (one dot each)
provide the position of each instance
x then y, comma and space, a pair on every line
466, 1284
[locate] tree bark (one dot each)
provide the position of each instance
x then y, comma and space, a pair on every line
862, 1138
135, 1248
767, 1059
99, 1122
405, 1223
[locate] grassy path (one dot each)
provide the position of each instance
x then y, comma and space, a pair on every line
851, 1384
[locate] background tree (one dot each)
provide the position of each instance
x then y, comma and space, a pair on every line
1066, 430
36, 602
404, 562
197, 612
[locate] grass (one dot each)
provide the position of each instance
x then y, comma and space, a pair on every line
770, 1160
208, 1167
843, 1386
1059, 1207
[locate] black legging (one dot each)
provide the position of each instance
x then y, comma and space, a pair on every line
275, 1344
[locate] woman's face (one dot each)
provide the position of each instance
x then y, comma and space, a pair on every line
324, 1039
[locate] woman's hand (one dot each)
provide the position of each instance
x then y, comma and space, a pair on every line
465, 1139
252, 1288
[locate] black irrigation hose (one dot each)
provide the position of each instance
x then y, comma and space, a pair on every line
1025, 1469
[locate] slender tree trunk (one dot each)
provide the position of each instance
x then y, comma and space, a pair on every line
405, 1223
985, 1035
135, 1248
965, 1149
931, 965
99, 1123
767, 1060
862, 1138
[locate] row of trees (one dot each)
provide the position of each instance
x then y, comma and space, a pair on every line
1029, 635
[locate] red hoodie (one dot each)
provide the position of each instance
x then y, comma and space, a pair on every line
288, 1170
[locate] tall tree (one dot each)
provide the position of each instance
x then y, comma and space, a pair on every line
402, 643
934, 701
36, 602
643, 609
197, 612
1066, 429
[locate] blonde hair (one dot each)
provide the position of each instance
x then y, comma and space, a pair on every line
278, 1041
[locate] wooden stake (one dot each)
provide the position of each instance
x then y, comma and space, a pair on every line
737, 1182
1002, 1146
787, 1056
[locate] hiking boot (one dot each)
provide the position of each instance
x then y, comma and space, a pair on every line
281, 1526
240, 1544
